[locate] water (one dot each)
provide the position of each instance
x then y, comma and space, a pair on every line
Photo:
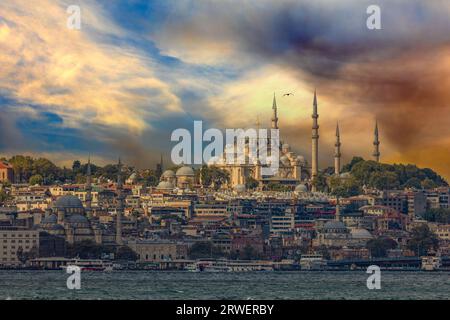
257, 285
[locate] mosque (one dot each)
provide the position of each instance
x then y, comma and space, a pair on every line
294, 170
68, 218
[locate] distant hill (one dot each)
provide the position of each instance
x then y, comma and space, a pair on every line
392, 176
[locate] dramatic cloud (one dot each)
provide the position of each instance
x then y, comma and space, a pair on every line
139, 69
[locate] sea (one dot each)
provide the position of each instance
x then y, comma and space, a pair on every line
181, 285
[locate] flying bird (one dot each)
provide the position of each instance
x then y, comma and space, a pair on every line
288, 94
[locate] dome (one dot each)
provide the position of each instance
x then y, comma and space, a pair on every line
168, 174
132, 176
301, 159
57, 227
239, 188
51, 219
334, 225
165, 185
68, 201
185, 171
78, 218
360, 233
301, 188
286, 146
284, 160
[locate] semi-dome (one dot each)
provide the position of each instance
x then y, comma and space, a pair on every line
68, 201
360, 233
284, 160
334, 225
168, 174
239, 188
78, 218
300, 188
185, 171
51, 219
165, 185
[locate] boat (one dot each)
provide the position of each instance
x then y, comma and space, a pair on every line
312, 262
431, 263
91, 265
223, 265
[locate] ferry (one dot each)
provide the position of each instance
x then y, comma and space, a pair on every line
431, 263
91, 265
312, 262
223, 265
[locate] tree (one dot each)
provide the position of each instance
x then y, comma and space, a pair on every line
249, 253
348, 167
378, 247
320, 182
422, 240
344, 187
36, 179
213, 176
428, 184
384, 180
413, 183
126, 253
204, 249
251, 183
439, 215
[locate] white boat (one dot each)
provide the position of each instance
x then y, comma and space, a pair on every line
223, 265
312, 262
431, 263
91, 265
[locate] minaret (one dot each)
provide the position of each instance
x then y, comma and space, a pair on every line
337, 152
119, 209
88, 187
315, 144
274, 113
376, 144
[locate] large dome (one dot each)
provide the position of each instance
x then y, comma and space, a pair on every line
185, 171
360, 233
334, 225
239, 188
301, 188
168, 174
68, 201
51, 219
165, 185
77, 218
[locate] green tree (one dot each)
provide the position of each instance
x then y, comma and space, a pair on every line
251, 183
344, 187
204, 249
422, 240
413, 183
36, 179
126, 253
427, 183
384, 180
212, 176
378, 247
440, 215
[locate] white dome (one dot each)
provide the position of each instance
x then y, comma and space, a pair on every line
185, 171
165, 185
168, 174
284, 160
301, 159
239, 188
360, 233
301, 188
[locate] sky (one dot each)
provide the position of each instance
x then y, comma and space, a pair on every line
137, 70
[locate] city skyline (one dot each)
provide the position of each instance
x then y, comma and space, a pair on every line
135, 72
